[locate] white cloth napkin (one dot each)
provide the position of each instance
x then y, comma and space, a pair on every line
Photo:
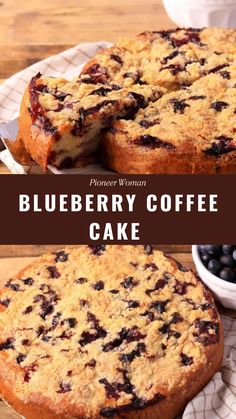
218, 398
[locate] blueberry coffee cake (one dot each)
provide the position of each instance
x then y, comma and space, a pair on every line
63, 122
106, 332
191, 130
170, 58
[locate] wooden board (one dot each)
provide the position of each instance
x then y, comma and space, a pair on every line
33, 30
36, 250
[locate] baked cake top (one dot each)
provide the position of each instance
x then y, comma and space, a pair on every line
150, 64
73, 105
100, 330
72, 115
207, 108
61, 121
170, 58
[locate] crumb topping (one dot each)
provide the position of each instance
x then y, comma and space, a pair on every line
163, 77
113, 327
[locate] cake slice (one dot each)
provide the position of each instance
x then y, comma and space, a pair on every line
61, 122
192, 130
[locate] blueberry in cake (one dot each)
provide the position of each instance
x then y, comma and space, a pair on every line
106, 332
62, 122
169, 58
191, 130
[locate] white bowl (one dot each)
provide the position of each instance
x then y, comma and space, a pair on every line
202, 13
224, 292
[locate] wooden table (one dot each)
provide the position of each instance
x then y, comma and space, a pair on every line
13, 258
31, 30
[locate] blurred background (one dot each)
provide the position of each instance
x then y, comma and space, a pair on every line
34, 29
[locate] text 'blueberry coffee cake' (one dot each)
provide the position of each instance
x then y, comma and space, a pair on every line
106, 332
63, 123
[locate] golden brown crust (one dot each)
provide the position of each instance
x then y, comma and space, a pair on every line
120, 156
41, 399
61, 122
38, 145
166, 409
187, 131
160, 62
127, 159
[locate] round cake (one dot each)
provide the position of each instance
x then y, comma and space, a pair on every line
191, 130
62, 123
169, 59
106, 332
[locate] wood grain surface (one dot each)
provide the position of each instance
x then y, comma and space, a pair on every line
31, 30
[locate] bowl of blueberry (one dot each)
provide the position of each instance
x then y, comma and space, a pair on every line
216, 266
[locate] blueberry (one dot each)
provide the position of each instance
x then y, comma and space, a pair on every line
20, 358
205, 258
234, 254
99, 286
214, 266
226, 249
227, 260
185, 359
202, 248
212, 249
227, 274
219, 105
64, 388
